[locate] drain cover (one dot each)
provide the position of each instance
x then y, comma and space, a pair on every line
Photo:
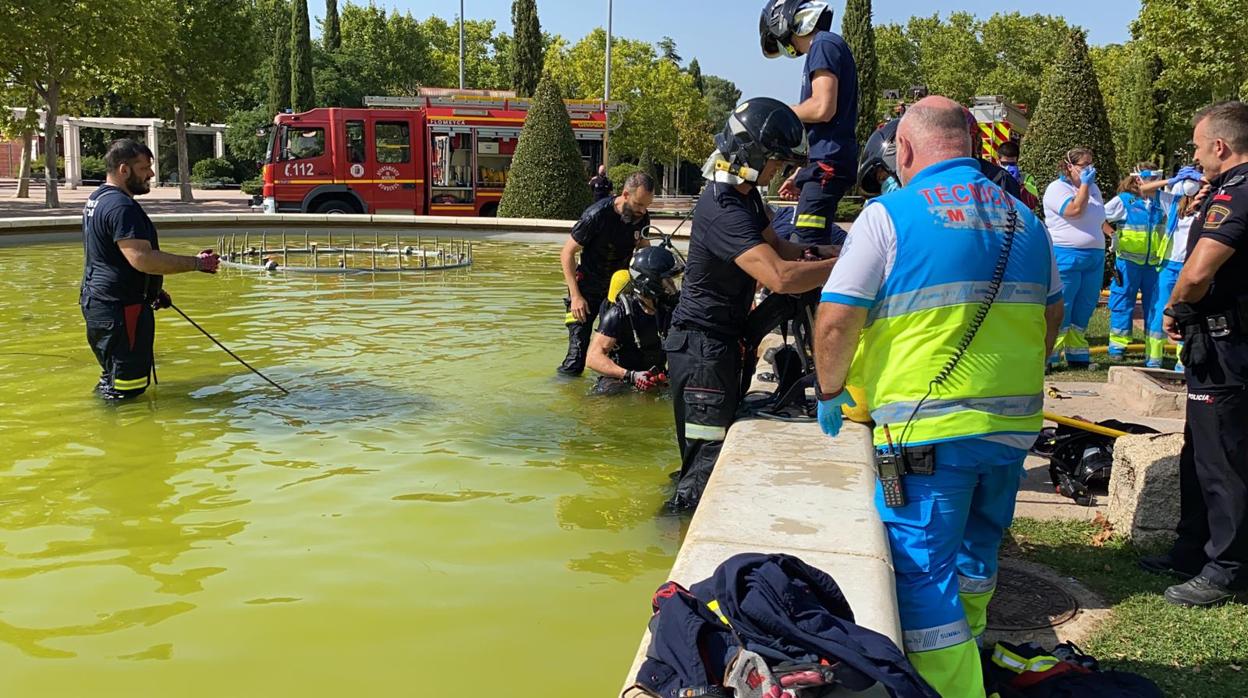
1024, 601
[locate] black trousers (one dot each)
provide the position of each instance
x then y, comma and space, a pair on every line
121, 337
579, 334
822, 189
1213, 483
705, 376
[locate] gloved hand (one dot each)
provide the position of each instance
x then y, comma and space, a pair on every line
1088, 175
642, 380
1188, 172
829, 412
208, 261
163, 300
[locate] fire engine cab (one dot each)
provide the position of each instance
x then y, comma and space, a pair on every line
443, 153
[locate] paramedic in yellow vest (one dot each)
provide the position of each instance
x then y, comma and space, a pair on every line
947, 300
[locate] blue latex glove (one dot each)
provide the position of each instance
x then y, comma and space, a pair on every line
830, 418
1088, 175
1185, 173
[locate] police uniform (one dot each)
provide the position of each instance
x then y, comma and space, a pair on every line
1213, 467
601, 186
833, 145
607, 244
116, 298
638, 338
704, 344
921, 260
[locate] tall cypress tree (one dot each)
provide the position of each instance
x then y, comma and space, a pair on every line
695, 72
333, 34
526, 55
547, 178
302, 91
859, 33
1071, 114
1142, 109
279, 67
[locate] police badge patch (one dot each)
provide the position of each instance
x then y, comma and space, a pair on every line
1216, 216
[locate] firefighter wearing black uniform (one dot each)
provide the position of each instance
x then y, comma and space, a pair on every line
1209, 311
605, 236
123, 273
732, 248
627, 348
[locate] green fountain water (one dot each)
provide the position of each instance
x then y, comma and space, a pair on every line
430, 510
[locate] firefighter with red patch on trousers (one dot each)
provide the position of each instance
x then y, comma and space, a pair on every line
1208, 311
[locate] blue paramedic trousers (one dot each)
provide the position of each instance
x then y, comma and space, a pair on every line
1167, 278
1082, 272
944, 544
1136, 279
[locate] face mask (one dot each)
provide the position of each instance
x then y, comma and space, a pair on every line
1189, 187
1012, 168
890, 185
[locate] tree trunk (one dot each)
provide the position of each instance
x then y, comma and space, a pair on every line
51, 197
23, 171
184, 165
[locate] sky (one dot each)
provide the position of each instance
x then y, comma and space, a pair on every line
723, 34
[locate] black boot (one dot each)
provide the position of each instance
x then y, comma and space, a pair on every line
1199, 591
1168, 565
574, 363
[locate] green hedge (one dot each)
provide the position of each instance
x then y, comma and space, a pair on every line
213, 170
253, 187
93, 169
548, 179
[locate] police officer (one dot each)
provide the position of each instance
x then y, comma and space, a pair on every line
732, 248
600, 184
627, 348
1209, 312
123, 272
828, 107
605, 237
955, 284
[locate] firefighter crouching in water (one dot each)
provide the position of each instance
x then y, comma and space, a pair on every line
123, 272
1209, 312
732, 248
953, 287
627, 349
605, 237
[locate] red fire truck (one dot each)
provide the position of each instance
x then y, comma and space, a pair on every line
443, 153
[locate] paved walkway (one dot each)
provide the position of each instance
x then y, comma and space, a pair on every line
159, 200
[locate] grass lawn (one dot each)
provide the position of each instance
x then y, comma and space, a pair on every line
1098, 335
1190, 653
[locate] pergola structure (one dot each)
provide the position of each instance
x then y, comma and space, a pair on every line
71, 143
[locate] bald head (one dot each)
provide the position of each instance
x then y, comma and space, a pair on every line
933, 130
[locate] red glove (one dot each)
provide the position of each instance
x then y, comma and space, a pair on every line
207, 261
642, 380
163, 300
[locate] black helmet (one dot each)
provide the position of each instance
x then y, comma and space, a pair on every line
759, 130
783, 19
880, 151
654, 271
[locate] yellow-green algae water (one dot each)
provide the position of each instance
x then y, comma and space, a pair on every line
431, 511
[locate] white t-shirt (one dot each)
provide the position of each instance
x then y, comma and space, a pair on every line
1178, 249
1082, 233
868, 256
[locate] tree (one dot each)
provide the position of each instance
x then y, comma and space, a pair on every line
482, 68
667, 46
21, 129
547, 178
1071, 114
721, 98
241, 129
202, 61
860, 35
60, 48
951, 56
526, 56
279, 65
1113, 73
1143, 106
332, 34
1020, 48
695, 72
302, 87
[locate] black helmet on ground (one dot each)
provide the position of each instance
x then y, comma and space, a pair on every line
880, 151
759, 130
781, 20
654, 271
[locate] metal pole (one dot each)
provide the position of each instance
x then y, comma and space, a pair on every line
461, 44
606, 88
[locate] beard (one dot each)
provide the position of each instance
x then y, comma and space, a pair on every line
137, 185
627, 214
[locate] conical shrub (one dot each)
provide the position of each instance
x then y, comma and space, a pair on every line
1071, 114
547, 178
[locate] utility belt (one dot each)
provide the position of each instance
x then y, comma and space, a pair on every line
892, 464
